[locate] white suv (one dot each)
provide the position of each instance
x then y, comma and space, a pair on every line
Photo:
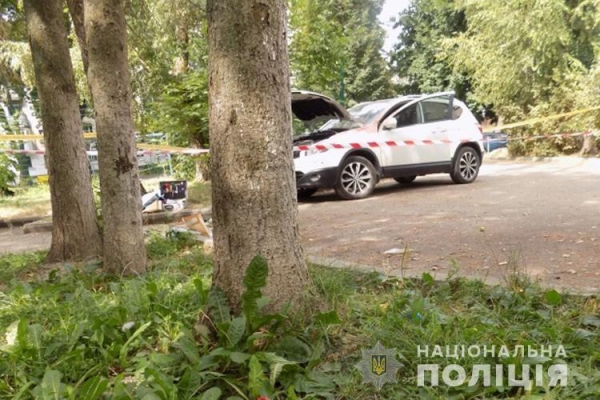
398, 138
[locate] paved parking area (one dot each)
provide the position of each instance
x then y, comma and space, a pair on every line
546, 214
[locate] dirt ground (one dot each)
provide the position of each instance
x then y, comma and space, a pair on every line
545, 214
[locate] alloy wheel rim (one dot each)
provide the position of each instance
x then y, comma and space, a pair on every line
356, 178
468, 165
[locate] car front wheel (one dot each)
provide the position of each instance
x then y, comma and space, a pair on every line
357, 178
466, 165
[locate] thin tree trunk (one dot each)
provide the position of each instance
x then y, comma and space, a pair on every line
253, 187
77, 16
589, 147
108, 76
75, 233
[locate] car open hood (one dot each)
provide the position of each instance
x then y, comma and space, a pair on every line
307, 106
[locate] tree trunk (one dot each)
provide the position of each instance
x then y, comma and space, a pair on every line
77, 16
108, 76
75, 233
253, 186
589, 146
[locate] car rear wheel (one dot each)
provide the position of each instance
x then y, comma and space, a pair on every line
305, 193
466, 165
357, 178
406, 179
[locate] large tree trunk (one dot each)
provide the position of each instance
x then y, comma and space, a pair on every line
253, 187
108, 76
75, 233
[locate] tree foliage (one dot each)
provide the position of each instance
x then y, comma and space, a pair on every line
417, 59
167, 43
522, 59
335, 48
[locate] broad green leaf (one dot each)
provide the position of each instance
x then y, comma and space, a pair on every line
236, 330
218, 306
93, 388
584, 334
255, 376
591, 320
35, 336
295, 349
553, 298
255, 279
211, 394
329, 318
291, 393
189, 349
239, 358
22, 333
256, 274
51, 387
427, 278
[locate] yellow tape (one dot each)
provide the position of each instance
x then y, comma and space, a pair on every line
540, 119
86, 135
20, 137
161, 147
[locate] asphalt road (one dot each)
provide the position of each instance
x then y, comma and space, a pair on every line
544, 215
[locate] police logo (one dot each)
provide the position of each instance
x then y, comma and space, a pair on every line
379, 365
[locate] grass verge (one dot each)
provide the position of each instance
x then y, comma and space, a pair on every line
34, 201
79, 333
27, 202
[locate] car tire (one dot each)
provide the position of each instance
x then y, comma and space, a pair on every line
357, 178
406, 179
304, 194
466, 165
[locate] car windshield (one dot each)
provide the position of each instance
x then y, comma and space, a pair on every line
301, 128
365, 113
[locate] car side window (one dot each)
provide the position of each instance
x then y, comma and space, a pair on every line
407, 117
436, 109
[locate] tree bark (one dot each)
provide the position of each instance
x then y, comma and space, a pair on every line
589, 147
108, 76
253, 184
75, 233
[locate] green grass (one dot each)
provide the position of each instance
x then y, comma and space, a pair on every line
73, 324
34, 201
28, 201
411, 313
199, 193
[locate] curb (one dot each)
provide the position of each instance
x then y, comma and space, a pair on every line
440, 276
163, 217
16, 222
542, 159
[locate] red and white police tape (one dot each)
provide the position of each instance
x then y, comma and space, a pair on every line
405, 143
362, 145
192, 152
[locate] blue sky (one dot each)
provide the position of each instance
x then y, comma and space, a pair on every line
391, 8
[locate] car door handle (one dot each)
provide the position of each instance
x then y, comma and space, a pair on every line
440, 131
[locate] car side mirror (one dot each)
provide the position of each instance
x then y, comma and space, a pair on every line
389, 124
